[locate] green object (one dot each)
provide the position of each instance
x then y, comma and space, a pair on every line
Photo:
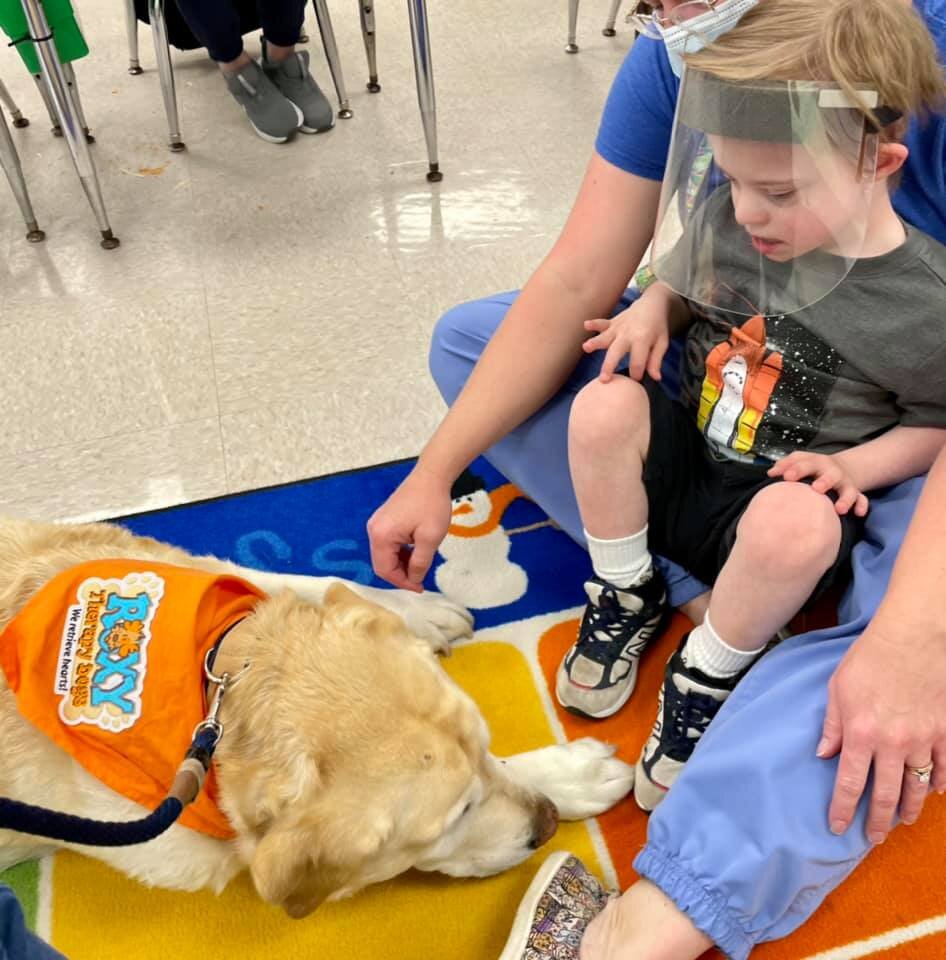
644, 278
23, 880
70, 44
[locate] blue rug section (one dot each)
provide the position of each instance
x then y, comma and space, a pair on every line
317, 527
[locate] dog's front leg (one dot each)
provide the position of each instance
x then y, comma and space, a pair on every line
429, 616
582, 778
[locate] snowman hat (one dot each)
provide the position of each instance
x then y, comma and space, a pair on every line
466, 484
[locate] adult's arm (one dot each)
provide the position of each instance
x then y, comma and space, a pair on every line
527, 361
887, 699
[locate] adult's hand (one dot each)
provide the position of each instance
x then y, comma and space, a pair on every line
407, 528
886, 711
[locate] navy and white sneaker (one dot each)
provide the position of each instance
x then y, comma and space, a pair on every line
689, 699
599, 672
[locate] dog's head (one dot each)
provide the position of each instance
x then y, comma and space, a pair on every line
350, 757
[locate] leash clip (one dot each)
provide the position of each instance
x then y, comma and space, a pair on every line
211, 723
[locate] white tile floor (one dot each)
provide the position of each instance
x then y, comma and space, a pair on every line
269, 303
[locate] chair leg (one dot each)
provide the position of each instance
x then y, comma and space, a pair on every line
48, 104
424, 73
331, 54
366, 10
18, 119
162, 53
609, 30
58, 91
10, 161
73, 87
572, 46
131, 26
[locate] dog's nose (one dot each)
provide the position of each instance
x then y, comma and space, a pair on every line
545, 823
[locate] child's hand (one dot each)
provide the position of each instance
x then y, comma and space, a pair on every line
829, 475
642, 331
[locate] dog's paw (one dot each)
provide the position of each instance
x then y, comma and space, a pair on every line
582, 778
433, 618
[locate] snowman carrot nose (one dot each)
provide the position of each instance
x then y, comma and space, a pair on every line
463, 508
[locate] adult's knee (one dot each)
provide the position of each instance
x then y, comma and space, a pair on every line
603, 414
788, 528
458, 340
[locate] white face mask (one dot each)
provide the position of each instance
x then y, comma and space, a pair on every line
697, 32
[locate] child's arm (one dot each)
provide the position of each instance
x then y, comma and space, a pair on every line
643, 330
896, 455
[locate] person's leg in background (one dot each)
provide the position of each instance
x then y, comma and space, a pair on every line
287, 67
534, 456
216, 25
16, 941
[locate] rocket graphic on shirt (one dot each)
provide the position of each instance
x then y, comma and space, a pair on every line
741, 376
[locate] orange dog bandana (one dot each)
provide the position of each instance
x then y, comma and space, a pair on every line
107, 660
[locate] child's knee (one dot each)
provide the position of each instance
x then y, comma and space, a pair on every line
790, 528
605, 413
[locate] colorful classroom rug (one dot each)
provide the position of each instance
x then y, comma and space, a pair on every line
523, 579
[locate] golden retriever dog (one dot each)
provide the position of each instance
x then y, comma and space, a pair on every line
348, 755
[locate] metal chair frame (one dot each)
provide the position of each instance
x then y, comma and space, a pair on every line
420, 42
57, 85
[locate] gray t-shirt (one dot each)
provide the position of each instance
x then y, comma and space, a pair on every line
868, 356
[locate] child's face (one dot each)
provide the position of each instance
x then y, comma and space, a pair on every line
790, 202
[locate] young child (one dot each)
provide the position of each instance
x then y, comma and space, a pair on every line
813, 368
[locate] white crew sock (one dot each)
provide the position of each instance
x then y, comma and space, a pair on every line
624, 562
708, 652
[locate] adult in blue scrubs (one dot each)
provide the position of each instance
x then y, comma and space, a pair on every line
804, 730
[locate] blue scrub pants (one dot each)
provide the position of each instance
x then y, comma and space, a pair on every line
741, 844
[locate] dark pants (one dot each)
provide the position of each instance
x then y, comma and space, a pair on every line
218, 26
16, 941
695, 501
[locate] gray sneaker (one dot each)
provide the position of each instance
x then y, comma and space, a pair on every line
270, 114
293, 80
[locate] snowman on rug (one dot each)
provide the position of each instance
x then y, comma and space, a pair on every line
476, 569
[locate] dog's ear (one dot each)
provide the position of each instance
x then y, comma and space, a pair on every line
353, 612
286, 875
301, 867
341, 597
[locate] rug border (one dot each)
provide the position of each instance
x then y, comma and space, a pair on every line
237, 494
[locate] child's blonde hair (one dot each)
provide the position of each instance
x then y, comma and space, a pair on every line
880, 44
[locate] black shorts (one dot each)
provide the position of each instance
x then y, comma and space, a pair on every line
695, 500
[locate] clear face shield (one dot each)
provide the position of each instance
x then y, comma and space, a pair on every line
766, 198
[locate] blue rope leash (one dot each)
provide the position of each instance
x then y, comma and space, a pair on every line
26, 818
40, 821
